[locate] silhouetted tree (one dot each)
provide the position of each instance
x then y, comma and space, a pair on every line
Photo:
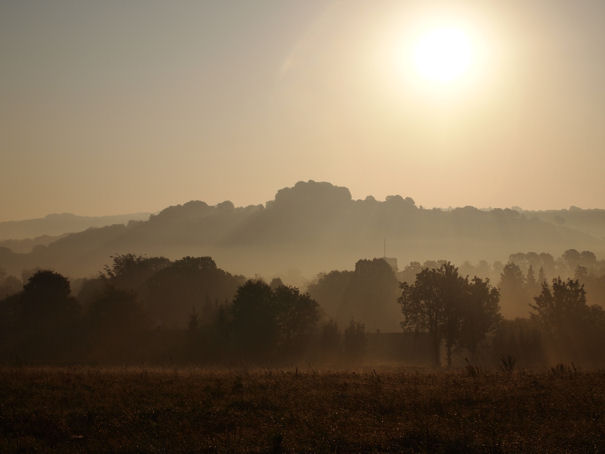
196, 283
593, 283
297, 316
572, 258
369, 293
588, 259
541, 277
130, 271
408, 274
432, 304
548, 264
371, 296
575, 330
47, 317
449, 308
555, 309
330, 289
267, 324
255, 325
513, 292
532, 286
480, 313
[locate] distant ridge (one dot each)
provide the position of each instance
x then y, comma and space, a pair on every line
60, 224
317, 226
28, 244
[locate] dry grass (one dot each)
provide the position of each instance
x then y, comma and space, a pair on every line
188, 410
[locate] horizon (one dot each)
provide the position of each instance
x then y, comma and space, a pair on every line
264, 203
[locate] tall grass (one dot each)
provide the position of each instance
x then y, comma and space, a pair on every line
295, 410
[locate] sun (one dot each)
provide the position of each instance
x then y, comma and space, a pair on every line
442, 55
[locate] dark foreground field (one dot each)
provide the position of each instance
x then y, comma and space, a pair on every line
109, 410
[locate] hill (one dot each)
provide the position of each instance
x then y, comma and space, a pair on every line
59, 224
316, 226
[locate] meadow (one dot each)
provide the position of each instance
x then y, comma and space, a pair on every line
84, 409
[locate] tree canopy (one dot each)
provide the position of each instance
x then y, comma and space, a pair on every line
452, 309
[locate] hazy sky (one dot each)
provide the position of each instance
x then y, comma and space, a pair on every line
122, 106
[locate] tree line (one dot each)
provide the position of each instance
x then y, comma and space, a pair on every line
463, 315
133, 311
152, 309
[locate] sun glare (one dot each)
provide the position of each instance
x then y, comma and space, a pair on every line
442, 55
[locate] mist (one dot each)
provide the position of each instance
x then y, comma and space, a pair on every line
316, 227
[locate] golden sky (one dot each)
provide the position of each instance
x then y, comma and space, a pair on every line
114, 107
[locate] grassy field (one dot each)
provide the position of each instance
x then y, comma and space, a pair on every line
188, 410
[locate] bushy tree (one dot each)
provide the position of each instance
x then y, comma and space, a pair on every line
480, 313
268, 323
432, 305
191, 283
329, 289
450, 308
297, 316
368, 293
561, 306
574, 330
254, 325
130, 271
47, 317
